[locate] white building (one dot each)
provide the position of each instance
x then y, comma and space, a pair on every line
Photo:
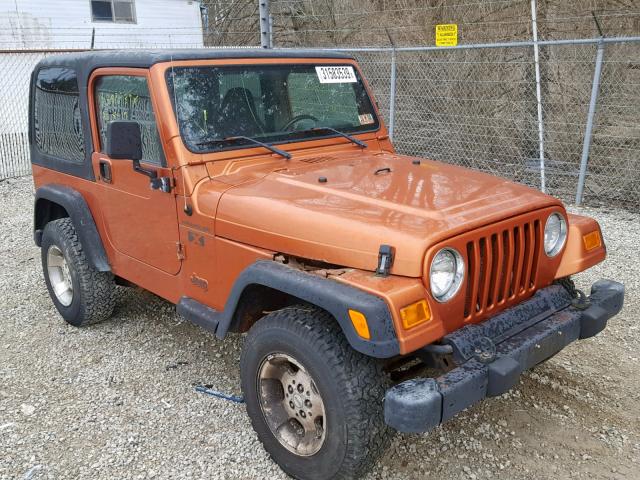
71, 24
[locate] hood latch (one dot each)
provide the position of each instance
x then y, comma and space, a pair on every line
386, 255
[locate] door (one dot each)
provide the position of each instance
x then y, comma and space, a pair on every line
139, 221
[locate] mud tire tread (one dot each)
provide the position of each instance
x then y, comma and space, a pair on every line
361, 379
95, 290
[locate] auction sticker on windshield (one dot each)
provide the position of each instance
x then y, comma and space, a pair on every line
337, 74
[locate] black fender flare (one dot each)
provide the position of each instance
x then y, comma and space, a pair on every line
78, 210
331, 295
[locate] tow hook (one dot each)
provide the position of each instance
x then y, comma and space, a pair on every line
485, 350
578, 298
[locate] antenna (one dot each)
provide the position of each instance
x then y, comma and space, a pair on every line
186, 208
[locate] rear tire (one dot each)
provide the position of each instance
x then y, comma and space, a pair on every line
82, 294
325, 395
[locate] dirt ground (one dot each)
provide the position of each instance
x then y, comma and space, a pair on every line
117, 400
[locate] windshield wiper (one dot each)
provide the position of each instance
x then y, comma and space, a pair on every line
352, 139
282, 153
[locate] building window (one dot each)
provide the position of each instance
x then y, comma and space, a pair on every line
118, 11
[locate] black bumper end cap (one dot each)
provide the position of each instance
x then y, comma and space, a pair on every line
504, 374
607, 298
413, 406
593, 321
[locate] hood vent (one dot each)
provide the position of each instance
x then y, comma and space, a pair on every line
316, 159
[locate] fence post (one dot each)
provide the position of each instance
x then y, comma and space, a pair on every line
392, 94
536, 58
586, 144
265, 24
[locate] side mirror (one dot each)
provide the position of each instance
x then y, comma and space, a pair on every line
124, 140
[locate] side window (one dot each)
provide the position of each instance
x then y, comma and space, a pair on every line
56, 112
330, 103
126, 97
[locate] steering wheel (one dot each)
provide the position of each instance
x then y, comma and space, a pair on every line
298, 118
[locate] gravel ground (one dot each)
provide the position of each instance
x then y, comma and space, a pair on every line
117, 400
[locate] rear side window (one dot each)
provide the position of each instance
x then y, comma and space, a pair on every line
56, 114
126, 97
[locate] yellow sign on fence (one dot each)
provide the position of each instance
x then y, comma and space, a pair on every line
447, 35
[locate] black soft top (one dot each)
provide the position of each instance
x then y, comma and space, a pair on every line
86, 62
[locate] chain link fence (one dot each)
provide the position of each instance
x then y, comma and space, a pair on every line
613, 175
475, 105
15, 71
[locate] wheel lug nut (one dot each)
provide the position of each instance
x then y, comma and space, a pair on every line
302, 414
291, 405
290, 388
307, 403
300, 388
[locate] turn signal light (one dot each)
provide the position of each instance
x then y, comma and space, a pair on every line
360, 324
415, 314
592, 240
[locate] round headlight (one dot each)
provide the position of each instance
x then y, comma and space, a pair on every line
446, 274
555, 234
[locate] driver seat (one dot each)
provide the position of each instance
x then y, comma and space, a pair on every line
238, 114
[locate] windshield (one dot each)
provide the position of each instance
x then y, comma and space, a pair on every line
271, 103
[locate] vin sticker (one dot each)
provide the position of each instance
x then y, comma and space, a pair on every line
365, 119
338, 74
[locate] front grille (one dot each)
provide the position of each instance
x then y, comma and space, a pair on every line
501, 268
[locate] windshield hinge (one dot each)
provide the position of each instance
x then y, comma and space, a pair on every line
163, 184
180, 251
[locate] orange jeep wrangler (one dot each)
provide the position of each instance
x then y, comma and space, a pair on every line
258, 190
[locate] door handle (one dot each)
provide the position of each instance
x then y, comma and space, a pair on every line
105, 171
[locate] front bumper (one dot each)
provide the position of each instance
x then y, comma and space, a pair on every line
490, 356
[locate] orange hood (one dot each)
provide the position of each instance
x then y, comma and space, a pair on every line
344, 220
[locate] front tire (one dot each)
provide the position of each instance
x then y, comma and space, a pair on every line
315, 403
80, 293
